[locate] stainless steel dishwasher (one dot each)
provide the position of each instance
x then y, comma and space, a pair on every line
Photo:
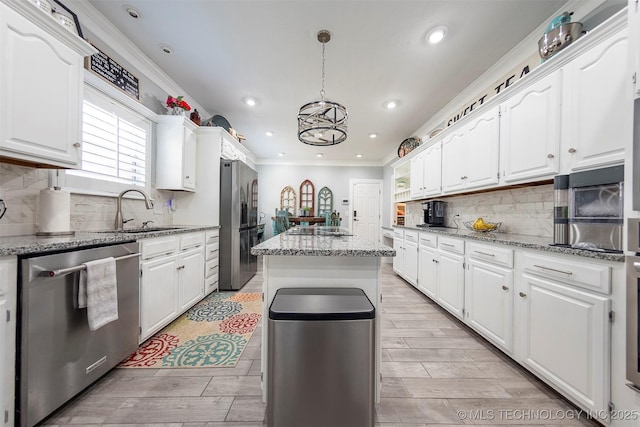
58, 356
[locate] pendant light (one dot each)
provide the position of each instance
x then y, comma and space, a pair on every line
322, 122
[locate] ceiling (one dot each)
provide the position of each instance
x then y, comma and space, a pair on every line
226, 50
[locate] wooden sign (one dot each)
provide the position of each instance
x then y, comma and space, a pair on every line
113, 73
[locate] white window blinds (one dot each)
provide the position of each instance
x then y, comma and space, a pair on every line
115, 143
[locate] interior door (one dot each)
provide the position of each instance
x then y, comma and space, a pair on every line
365, 209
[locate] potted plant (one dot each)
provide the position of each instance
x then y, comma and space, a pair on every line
306, 211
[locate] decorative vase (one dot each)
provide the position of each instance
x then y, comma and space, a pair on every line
178, 111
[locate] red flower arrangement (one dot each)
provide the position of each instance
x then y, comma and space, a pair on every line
177, 102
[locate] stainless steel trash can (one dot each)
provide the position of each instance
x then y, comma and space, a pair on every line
321, 358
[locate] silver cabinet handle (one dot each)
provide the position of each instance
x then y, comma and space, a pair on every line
568, 273
180, 267
522, 294
447, 244
77, 145
484, 253
571, 150
505, 288
550, 156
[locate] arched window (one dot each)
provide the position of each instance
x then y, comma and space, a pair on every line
307, 195
288, 200
253, 206
325, 201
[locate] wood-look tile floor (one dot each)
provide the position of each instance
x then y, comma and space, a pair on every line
435, 372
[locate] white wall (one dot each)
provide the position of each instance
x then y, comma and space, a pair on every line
273, 178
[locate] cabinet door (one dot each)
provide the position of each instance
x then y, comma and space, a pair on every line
417, 176
453, 162
398, 260
530, 131
189, 159
40, 93
432, 165
8, 286
482, 150
451, 282
158, 294
191, 278
411, 262
566, 339
489, 302
597, 105
427, 271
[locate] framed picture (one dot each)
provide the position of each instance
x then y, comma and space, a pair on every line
71, 18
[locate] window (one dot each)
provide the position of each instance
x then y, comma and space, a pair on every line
307, 195
288, 200
325, 201
115, 147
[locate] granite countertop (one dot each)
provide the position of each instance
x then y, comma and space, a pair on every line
31, 244
321, 245
519, 240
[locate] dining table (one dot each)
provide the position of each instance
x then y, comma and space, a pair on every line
311, 220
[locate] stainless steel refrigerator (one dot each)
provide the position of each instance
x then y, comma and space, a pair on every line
238, 224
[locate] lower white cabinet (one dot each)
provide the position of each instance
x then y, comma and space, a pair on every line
451, 275
172, 279
212, 261
428, 265
398, 241
8, 285
566, 338
405, 263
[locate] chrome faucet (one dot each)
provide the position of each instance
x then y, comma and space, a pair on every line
119, 221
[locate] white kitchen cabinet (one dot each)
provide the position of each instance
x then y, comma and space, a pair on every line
489, 293
176, 153
405, 263
596, 104
8, 300
41, 81
566, 339
402, 182
172, 281
470, 155
451, 275
426, 172
530, 131
634, 43
212, 257
427, 264
410, 267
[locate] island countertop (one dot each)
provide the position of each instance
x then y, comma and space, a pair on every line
289, 243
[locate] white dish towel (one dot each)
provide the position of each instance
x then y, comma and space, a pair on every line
98, 292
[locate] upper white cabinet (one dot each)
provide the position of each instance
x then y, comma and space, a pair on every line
41, 82
470, 154
426, 172
176, 154
530, 131
595, 103
634, 45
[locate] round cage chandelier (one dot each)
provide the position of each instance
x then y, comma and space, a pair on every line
322, 122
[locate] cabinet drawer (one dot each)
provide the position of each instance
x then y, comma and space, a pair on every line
211, 236
492, 254
211, 283
451, 245
398, 234
429, 240
211, 251
159, 246
210, 267
411, 236
590, 276
191, 240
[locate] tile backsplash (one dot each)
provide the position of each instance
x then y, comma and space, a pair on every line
20, 189
526, 210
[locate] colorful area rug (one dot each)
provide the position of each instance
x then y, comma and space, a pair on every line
212, 333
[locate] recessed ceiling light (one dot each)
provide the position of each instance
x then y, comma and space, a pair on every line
268, 133
391, 104
166, 49
132, 12
358, 155
250, 101
281, 154
373, 135
319, 155
436, 35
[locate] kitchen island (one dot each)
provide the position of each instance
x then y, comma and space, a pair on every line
320, 257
